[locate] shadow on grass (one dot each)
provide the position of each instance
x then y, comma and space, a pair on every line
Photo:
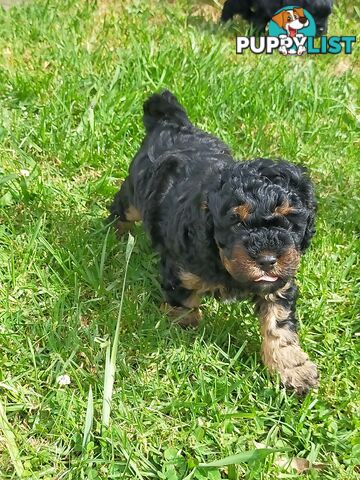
86, 262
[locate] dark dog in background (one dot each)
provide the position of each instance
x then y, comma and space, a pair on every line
231, 229
260, 12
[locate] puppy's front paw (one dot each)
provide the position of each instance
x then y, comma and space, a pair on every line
283, 50
301, 377
296, 371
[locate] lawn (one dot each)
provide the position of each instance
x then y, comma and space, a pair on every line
73, 77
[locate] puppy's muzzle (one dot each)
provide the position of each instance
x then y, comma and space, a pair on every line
266, 266
266, 262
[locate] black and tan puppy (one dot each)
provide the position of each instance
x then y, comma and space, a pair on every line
260, 12
231, 229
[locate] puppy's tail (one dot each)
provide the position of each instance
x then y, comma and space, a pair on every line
163, 107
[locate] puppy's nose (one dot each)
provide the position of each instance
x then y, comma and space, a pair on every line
266, 262
303, 20
320, 31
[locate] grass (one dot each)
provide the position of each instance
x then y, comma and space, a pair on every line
73, 77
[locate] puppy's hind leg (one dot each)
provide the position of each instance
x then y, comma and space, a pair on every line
123, 210
182, 304
235, 7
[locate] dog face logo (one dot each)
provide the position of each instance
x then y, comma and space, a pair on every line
292, 25
292, 31
291, 20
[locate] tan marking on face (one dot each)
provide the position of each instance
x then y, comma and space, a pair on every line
242, 211
280, 349
284, 209
204, 205
132, 214
240, 264
287, 264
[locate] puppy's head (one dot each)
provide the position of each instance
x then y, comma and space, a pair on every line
263, 219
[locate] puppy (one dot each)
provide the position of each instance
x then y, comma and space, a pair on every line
260, 12
221, 227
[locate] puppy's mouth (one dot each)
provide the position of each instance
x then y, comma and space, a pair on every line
267, 277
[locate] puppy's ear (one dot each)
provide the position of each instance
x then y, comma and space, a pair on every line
305, 190
280, 18
294, 179
309, 231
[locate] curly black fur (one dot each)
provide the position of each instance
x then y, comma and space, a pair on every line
218, 225
259, 12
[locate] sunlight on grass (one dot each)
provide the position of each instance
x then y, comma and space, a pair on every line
110, 364
10, 442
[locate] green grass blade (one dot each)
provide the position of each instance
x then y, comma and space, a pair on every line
243, 457
108, 387
8, 178
10, 442
88, 418
110, 363
129, 249
103, 258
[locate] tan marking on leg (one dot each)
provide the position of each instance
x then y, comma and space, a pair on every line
190, 281
132, 214
184, 317
122, 227
272, 297
281, 351
199, 287
192, 301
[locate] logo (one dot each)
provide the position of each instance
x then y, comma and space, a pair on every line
292, 31
292, 26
